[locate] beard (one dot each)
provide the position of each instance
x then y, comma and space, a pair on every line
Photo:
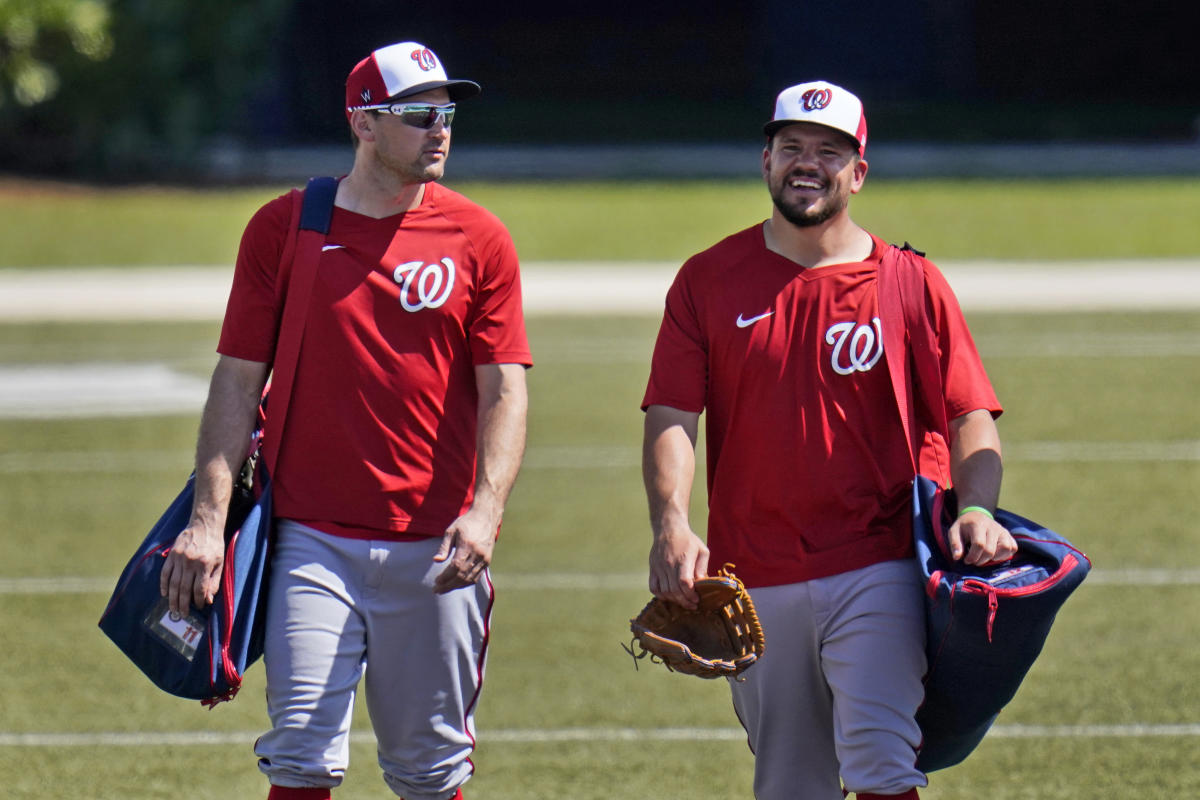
807, 216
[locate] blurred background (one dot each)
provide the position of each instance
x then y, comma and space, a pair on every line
236, 91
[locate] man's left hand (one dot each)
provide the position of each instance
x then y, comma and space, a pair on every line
984, 540
467, 548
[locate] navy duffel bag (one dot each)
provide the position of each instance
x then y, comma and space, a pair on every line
985, 625
201, 656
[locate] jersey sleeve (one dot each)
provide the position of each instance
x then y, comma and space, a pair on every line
679, 366
252, 314
496, 328
965, 382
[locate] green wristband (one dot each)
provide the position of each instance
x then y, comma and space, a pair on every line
980, 509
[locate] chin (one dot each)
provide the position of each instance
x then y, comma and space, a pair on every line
808, 217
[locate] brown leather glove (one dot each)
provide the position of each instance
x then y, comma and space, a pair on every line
722, 637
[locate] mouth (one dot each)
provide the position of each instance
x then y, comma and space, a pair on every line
804, 183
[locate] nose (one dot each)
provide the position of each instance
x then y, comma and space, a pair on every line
807, 157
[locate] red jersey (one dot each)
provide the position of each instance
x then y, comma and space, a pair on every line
808, 469
380, 435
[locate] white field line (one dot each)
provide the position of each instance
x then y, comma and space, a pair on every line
587, 582
558, 735
64, 391
199, 292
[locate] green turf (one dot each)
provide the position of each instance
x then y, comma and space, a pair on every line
978, 219
556, 658
1118, 655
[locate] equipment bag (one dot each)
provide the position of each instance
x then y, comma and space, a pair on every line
203, 656
984, 625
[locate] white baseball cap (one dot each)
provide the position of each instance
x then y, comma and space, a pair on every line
398, 71
821, 103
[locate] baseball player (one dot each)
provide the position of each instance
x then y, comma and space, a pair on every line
403, 439
775, 332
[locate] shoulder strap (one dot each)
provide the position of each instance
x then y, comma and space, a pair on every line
908, 335
302, 253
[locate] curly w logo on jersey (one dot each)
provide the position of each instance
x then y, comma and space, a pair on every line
429, 284
856, 348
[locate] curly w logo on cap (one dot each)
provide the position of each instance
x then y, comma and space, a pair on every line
815, 99
821, 103
401, 70
425, 58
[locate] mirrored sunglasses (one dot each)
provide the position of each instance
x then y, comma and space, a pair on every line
418, 115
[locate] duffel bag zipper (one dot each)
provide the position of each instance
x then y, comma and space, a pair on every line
232, 677
976, 586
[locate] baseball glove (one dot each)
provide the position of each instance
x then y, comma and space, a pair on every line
722, 637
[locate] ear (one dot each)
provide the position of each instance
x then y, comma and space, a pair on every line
363, 125
859, 177
766, 160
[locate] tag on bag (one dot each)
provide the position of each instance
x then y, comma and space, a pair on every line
180, 633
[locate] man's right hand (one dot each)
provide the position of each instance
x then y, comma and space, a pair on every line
191, 574
677, 559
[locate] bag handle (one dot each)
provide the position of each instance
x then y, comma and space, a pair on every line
312, 211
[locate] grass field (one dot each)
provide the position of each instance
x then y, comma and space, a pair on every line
1103, 442
63, 225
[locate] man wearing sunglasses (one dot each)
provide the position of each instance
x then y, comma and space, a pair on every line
404, 435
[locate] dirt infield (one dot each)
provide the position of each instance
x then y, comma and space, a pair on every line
199, 293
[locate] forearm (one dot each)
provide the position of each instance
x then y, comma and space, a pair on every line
976, 468
669, 467
500, 437
677, 555
191, 573
225, 428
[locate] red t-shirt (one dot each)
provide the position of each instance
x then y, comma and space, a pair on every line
380, 435
808, 469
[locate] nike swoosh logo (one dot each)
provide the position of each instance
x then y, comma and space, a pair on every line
332, 247
746, 323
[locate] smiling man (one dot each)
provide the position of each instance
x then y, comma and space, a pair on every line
403, 439
775, 333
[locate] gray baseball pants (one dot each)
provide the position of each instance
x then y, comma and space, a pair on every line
832, 701
340, 608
